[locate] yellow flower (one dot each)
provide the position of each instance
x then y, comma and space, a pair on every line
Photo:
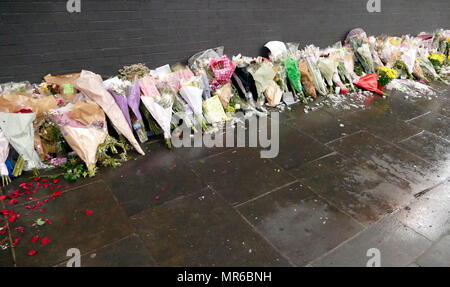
437, 57
390, 73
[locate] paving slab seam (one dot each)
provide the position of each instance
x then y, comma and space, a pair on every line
419, 116
253, 228
403, 149
264, 194
317, 194
343, 137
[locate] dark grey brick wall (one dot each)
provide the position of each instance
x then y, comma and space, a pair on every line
39, 37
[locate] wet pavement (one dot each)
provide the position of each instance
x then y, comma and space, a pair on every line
345, 181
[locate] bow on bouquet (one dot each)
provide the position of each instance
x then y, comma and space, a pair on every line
18, 130
159, 103
83, 126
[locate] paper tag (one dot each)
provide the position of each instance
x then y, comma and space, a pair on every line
68, 89
288, 98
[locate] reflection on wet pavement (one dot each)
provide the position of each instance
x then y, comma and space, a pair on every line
367, 173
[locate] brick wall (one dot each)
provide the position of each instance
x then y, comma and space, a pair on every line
39, 37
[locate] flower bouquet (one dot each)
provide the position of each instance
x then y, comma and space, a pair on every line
438, 60
192, 93
263, 74
294, 76
4, 151
328, 67
134, 100
364, 56
159, 103
213, 110
243, 79
428, 69
385, 76
92, 86
83, 126
311, 55
307, 79
18, 130
134, 71
119, 90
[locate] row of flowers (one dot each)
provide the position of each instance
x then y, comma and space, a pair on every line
80, 118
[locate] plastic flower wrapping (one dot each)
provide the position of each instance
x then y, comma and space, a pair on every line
63, 120
83, 126
4, 151
159, 103
18, 130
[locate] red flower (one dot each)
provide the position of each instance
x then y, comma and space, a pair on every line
2, 197
45, 240
32, 252
35, 239
24, 111
89, 212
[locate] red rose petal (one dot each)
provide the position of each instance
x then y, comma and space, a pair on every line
16, 241
35, 239
36, 178
32, 252
55, 181
13, 201
2, 197
45, 240
20, 229
89, 212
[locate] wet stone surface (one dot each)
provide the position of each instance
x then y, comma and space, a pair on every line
368, 172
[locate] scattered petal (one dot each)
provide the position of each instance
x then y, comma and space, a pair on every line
35, 239
13, 201
20, 229
45, 240
89, 212
16, 241
32, 252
